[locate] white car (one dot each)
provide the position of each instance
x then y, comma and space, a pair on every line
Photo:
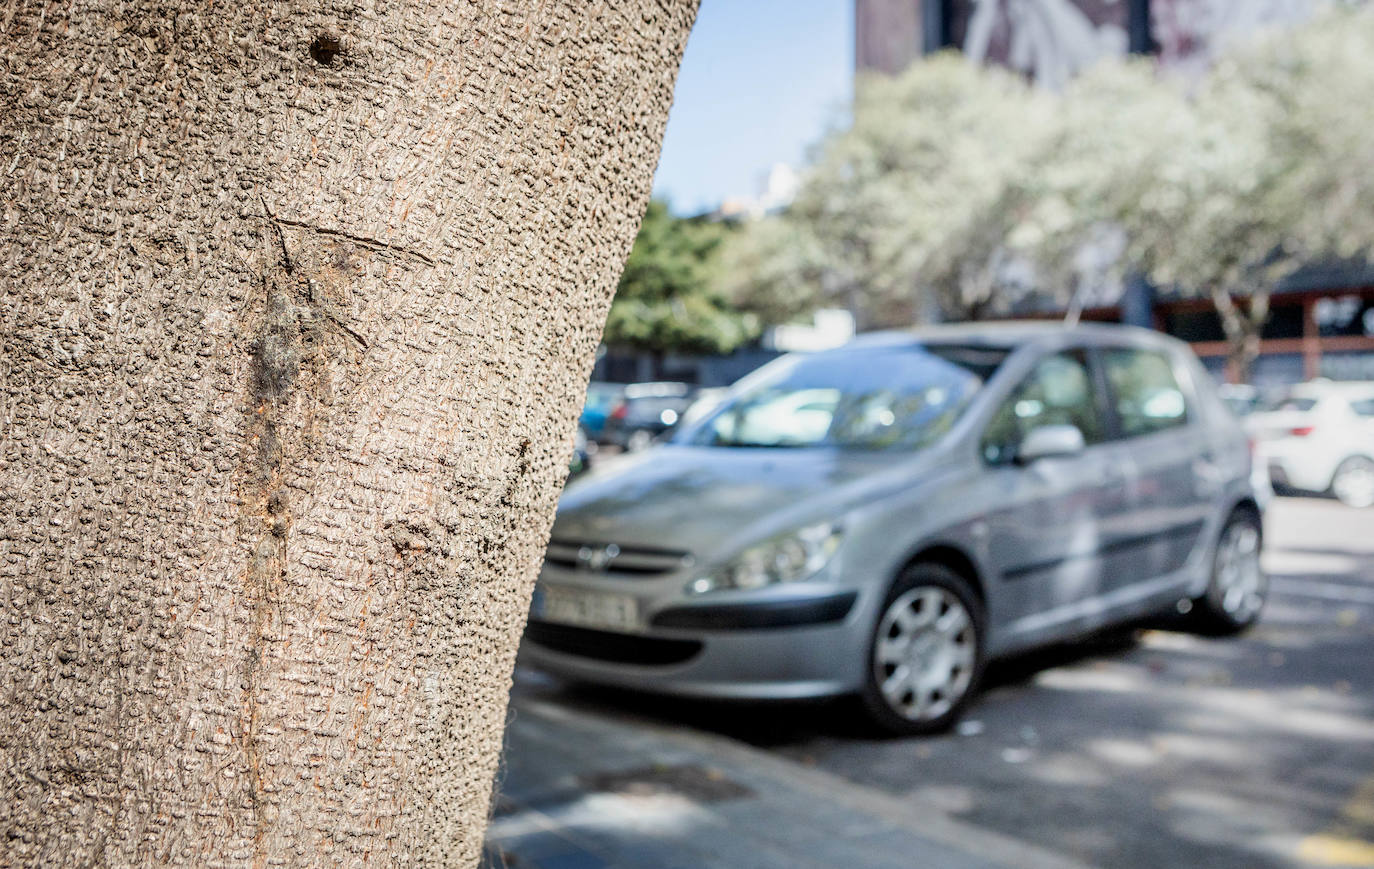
1319, 437
1243, 400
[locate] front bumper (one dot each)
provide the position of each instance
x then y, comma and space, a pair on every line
787, 649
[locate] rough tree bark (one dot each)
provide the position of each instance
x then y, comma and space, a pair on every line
297, 301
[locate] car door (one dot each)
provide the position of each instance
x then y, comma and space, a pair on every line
1045, 539
1177, 477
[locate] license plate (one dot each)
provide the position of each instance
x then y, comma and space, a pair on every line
588, 609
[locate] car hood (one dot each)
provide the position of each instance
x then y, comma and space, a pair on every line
699, 499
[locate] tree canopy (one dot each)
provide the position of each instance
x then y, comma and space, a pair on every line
906, 204
668, 299
957, 189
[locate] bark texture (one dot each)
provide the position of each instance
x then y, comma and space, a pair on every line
297, 304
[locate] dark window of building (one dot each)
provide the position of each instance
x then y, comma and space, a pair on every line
1138, 27
1285, 321
1202, 324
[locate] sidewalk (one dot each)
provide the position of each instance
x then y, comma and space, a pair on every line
582, 791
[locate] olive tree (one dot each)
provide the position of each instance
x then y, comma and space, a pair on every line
1223, 190
903, 213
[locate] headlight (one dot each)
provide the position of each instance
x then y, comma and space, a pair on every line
785, 558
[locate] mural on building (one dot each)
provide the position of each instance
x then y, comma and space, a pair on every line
1049, 40
1190, 33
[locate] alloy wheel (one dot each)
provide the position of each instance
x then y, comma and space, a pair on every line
1239, 577
1354, 482
925, 652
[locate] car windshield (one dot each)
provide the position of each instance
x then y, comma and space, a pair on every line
870, 399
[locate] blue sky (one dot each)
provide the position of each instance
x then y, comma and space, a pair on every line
761, 80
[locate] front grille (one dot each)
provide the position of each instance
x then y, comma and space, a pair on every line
607, 646
613, 558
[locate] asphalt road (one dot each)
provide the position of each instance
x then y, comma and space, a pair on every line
1145, 749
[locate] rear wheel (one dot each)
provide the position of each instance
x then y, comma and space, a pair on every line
1238, 588
1353, 482
926, 652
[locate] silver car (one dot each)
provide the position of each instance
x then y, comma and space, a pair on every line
885, 518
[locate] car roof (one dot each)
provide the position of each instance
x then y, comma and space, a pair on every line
1007, 333
657, 389
1319, 388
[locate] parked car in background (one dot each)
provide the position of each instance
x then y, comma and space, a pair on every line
1242, 398
581, 457
602, 398
703, 402
1319, 437
645, 411
885, 518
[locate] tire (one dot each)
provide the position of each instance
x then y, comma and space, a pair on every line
1238, 587
943, 665
1353, 482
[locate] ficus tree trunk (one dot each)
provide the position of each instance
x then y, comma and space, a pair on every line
297, 304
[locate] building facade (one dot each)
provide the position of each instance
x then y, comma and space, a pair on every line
1322, 323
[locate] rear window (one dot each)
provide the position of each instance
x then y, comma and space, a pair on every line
1292, 403
1145, 394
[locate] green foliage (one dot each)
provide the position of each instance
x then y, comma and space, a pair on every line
1224, 191
776, 268
907, 207
958, 189
668, 299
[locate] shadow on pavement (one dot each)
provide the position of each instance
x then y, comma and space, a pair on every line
774, 724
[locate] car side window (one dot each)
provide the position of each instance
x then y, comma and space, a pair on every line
1145, 394
1363, 408
1058, 391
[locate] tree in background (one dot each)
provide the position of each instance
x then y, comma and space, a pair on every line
903, 213
1189, 181
1223, 192
960, 189
669, 299
298, 300
776, 269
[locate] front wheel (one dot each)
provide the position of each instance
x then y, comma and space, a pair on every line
1353, 482
926, 652
1238, 587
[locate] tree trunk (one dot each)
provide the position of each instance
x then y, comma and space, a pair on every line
297, 302
1243, 329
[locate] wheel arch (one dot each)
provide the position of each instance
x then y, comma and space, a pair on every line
952, 558
1249, 506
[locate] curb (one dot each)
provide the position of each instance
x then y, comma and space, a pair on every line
911, 814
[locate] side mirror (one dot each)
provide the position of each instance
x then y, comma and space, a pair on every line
1050, 441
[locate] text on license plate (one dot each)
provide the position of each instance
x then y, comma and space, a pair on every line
591, 609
